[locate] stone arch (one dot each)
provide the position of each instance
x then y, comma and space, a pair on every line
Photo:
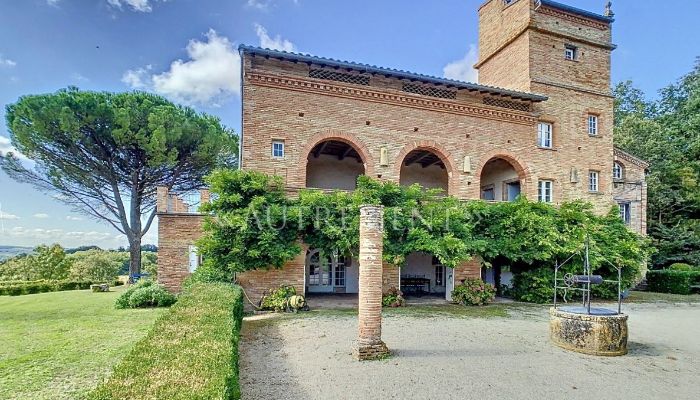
437, 149
518, 165
348, 138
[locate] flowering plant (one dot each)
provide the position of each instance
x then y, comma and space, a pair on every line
474, 292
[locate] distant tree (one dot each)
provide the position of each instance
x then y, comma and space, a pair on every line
96, 265
666, 133
105, 153
46, 262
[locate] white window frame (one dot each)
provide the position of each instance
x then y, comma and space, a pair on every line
593, 124
545, 191
618, 171
625, 212
570, 52
593, 181
279, 143
545, 135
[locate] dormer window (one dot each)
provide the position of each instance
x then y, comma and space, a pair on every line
508, 2
570, 53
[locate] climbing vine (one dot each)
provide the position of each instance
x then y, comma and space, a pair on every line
253, 224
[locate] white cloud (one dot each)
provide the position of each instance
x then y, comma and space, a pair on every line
276, 43
135, 5
6, 62
7, 216
463, 70
78, 77
7, 147
66, 238
53, 3
137, 78
259, 4
41, 216
210, 75
73, 218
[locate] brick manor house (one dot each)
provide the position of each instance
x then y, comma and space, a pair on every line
539, 123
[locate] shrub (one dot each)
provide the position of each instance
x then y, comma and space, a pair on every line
18, 288
680, 267
191, 352
393, 298
276, 299
474, 292
672, 281
145, 293
96, 265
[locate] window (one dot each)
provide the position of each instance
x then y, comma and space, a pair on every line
625, 214
544, 135
593, 125
339, 276
195, 259
617, 171
278, 149
488, 193
544, 192
570, 53
592, 181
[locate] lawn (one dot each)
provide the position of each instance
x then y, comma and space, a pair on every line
60, 345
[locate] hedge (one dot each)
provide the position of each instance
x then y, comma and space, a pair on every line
18, 288
672, 281
191, 352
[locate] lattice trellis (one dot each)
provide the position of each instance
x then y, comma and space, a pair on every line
429, 91
339, 76
513, 105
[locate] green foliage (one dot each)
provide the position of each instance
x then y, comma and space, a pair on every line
666, 133
535, 286
253, 225
393, 298
145, 293
190, 353
45, 262
276, 299
96, 265
94, 149
680, 267
474, 292
18, 288
672, 281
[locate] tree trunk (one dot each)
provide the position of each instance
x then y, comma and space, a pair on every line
134, 257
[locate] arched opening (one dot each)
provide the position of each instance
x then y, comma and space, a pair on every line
334, 164
500, 181
426, 168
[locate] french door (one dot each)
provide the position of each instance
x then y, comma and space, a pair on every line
325, 271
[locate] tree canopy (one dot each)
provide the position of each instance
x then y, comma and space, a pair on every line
666, 133
105, 153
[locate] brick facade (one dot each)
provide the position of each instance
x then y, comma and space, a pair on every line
306, 101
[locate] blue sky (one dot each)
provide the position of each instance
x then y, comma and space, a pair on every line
186, 50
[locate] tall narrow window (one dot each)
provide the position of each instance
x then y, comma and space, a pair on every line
593, 181
593, 125
544, 191
544, 135
278, 149
570, 52
617, 171
439, 272
625, 213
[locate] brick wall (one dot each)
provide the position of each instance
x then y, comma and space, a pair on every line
176, 233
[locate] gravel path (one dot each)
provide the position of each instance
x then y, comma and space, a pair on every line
308, 357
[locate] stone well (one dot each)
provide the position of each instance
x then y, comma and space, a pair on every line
603, 332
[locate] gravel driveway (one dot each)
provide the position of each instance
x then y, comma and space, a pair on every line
308, 357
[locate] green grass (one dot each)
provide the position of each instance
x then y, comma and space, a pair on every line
652, 297
60, 345
190, 353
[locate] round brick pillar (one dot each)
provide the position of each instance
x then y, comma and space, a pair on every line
369, 343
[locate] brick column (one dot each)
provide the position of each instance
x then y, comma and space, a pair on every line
369, 343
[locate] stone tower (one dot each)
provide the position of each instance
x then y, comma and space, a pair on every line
549, 48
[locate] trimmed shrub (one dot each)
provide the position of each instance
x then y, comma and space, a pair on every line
18, 288
191, 352
535, 286
680, 267
672, 281
145, 293
393, 298
474, 292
